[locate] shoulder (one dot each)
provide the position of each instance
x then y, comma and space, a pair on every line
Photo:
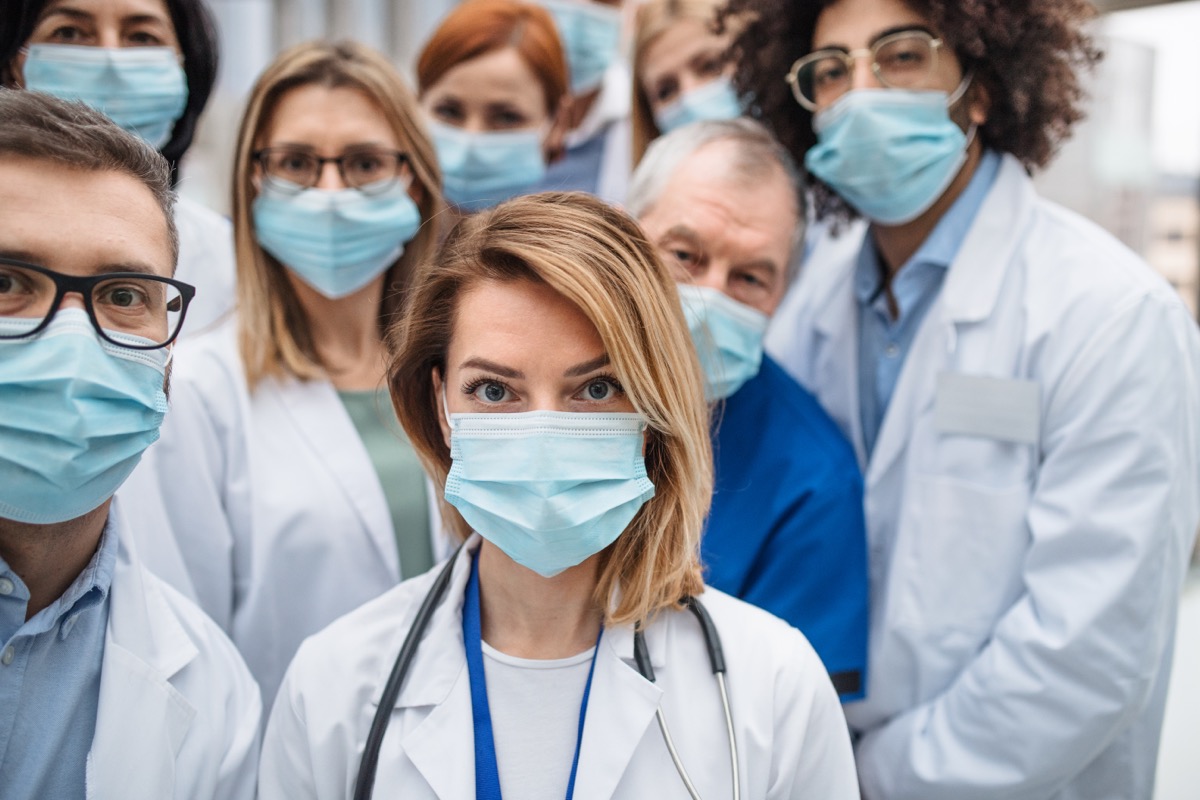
765, 645
788, 420
211, 362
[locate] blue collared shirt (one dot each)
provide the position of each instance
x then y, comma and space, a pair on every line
50, 679
883, 342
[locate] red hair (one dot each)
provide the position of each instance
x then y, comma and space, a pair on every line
477, 27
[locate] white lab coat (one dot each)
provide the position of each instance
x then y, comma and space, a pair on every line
179, 715
791, 734
206, 261
1023, 595
279, 520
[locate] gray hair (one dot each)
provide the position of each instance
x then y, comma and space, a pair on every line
756, 154
38, 126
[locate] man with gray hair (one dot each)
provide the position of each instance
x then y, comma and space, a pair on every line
723, 203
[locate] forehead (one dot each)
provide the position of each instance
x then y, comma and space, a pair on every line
109, 8
857, 23
498, 76
80, 222
678, 43
333, 117
704, 193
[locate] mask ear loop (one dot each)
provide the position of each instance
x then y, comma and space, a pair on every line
445, 407
957, 95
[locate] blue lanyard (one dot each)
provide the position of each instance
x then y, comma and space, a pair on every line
487, 774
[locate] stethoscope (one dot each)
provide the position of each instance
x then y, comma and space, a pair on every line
364, 786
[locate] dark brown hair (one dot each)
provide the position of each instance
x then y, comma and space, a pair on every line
1026, 54
38, 126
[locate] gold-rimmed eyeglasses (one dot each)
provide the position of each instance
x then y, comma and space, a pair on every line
903, 60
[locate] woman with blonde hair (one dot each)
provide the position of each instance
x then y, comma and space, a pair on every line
681, 68
290, 488
544, 373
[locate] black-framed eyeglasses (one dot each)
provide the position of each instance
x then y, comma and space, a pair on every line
903, 60
369, 169
119, 304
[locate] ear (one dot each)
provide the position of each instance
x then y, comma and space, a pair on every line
979, 103
555, 145
439, 394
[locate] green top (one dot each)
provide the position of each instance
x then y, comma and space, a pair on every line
400, 475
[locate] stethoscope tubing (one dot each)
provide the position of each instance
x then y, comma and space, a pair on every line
364, 785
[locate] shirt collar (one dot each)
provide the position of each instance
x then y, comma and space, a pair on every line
613, 103
89, 589
941, 247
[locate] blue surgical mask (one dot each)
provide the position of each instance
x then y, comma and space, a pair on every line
550, 489
335, 241
590, 35
78, 413
889, 153
728, 337
714, 100
480, 170
142, 89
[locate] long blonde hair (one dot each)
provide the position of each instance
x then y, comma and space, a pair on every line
654, 18
596, 257
274, 335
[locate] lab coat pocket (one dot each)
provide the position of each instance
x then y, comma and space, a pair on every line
964, 554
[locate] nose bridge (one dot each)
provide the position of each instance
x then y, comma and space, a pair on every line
864, 71
329, 175
108, 33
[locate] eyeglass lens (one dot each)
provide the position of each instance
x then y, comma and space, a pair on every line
903, 61
358, 168
148, 308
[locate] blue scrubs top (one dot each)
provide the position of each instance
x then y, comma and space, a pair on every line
787, 531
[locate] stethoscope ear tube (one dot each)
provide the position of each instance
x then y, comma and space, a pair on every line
364, 785
716, 656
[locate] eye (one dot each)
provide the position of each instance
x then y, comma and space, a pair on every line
682, 256
709, 67
67, 34
600, 390
665, 90
505, 118
144, 39
449, 111
488, 391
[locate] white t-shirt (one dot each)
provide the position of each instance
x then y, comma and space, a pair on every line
534, 706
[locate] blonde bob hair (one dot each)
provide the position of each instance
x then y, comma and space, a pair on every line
596, 257
274, 335
654, 18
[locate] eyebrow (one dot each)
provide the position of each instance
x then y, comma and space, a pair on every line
508, 372
80, 14
683, 232
139, 267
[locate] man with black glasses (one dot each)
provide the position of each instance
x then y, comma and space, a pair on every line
111, 684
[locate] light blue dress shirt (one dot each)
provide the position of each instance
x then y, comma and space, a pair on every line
50, 680
883, 342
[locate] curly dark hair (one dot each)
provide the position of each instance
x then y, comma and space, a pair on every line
1027, 54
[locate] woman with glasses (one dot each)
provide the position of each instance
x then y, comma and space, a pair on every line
493, 87
543, 370
150, 65
681, 68
292, 492
1022, 392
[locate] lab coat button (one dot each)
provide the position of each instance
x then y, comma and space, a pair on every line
9, 655
6, 586
892, 350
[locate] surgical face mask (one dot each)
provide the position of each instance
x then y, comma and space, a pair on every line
714, 100
728, 337
335, 241
480, 170
590, 35
550, 489
142, 89
78, 413
890, 153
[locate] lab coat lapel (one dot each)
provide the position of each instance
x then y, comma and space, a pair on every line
969, 295
142, 719
835, 371
620, 709
322, 421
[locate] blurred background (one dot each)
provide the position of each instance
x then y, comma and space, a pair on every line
1133, 167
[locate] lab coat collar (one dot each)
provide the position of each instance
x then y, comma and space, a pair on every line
439, 678
972, 286
142, 719
836, 322
612, 104
325, 425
